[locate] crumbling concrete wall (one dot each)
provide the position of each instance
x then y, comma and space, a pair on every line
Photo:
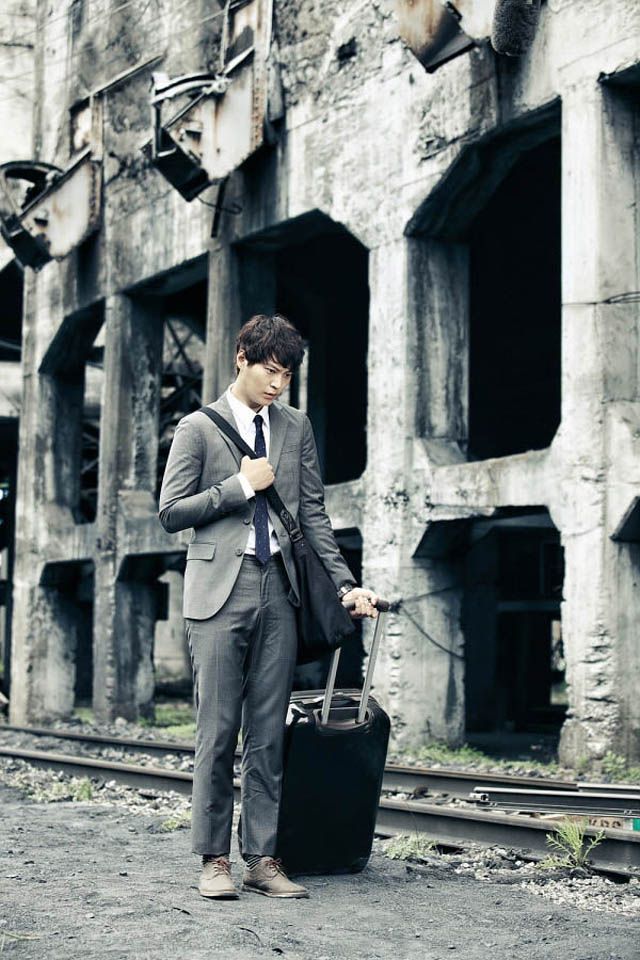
395, 156
136, 208
18, 43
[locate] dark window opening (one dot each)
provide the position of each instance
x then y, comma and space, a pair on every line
172, 665
85, 512
182, 363
8, 473
322, 287
11, 301
515, 329
150, 587
73, 366
83, 686
11, 295
70, 586
511, 619
315, 272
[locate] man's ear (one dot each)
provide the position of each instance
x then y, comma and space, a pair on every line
240, 358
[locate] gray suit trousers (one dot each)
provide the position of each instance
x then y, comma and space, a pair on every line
243, 660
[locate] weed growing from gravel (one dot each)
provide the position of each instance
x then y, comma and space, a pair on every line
440, 753
174, 721
618, 770
181, 731
176, 821
582, 766
169, 715
571, 846
75, 788
409, 847
85, 714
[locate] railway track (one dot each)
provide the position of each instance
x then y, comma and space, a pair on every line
398, 778
618, 853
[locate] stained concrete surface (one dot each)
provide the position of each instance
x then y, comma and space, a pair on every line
98, 882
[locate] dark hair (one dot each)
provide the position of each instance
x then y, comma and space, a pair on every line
265, 338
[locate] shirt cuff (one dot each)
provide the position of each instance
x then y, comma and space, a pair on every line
246, 486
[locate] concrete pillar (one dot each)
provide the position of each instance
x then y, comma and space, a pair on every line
438, 282
599, 386
242, 282
42, 649
223, 321
420, 673
125, 610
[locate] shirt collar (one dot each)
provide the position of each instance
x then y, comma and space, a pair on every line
244, 415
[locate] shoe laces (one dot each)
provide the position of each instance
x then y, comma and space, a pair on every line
271, 863
220, 865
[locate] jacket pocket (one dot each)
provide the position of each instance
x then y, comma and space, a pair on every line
201, 551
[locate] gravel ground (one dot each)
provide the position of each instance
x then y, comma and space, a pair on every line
26, 741
514, 768
111, 878
119, 728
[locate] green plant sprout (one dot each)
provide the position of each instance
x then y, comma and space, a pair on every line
176, 821
571, 846
409, 847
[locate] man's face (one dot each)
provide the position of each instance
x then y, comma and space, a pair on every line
259, 384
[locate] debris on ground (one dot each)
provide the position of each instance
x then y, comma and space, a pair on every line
577, 887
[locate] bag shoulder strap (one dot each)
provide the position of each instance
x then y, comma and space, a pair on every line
230, 431
270, 493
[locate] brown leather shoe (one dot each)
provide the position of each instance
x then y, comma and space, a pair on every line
215, 880
269, 879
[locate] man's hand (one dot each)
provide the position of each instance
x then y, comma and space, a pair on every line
364, 601
258, 472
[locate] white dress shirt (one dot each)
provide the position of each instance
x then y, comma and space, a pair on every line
247, 429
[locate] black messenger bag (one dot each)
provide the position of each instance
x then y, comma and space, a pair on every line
323, 622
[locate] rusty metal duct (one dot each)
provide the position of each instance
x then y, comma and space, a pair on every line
219, 119
176, 149
431, 32
436, 31
45, 212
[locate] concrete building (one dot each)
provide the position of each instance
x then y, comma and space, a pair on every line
459, 246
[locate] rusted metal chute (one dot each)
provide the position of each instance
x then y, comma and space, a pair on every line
436, 31
219, 118
178, 146
44, 211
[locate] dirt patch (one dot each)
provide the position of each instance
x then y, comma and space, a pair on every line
85, 880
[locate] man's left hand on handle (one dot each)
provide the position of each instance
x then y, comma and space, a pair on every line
364, 601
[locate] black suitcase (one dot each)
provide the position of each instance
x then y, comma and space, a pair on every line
335, 752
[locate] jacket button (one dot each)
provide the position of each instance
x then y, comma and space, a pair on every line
239, 551
246, 520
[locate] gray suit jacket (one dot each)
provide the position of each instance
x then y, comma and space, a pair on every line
200, 489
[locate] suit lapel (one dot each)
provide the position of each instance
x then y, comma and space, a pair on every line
278, 430
222, 407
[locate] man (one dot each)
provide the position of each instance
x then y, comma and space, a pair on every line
240, 593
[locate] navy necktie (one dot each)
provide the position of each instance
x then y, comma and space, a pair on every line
260, 518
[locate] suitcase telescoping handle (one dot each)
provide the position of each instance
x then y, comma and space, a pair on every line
382, 606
